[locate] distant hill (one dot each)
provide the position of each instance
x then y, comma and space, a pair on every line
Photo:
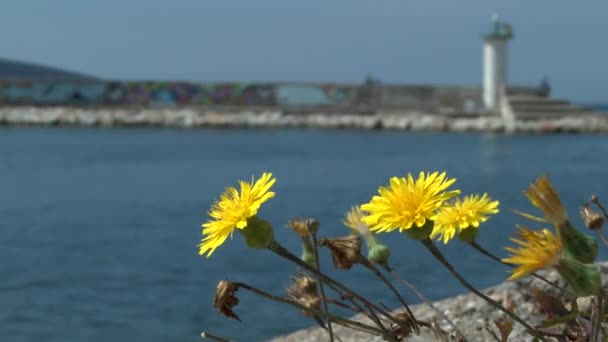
11, 70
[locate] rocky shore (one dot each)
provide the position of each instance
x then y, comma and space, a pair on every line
468, 312
199, 117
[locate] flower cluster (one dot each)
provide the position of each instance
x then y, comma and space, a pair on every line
427, 202
425, 208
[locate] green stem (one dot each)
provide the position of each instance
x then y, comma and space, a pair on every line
321, 288
437, 254
378, 274
489, 254
328, 316
419, 294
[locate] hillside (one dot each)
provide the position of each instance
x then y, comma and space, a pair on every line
16, 70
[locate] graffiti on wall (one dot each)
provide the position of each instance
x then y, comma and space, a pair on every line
138, 93
285, 95
311, 94
52, 93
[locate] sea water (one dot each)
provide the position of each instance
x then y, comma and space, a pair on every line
99, 227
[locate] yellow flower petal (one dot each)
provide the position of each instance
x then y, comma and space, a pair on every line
407, 202
537, 250
543, 196
233, 209
462, 214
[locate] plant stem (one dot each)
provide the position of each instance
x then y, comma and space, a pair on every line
369, 312
603, 237
328, 316
596, 320
437, 254
375, 270
321, 288
419, 294
489, 254
597, 202
209, 336
283, 252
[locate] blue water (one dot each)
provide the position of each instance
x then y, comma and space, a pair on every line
603, 107
99, 227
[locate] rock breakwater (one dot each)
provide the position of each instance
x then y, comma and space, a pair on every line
198, 117
471, 315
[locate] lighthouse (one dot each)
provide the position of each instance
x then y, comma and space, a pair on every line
495, 46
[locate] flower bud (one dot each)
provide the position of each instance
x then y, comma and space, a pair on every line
467, 235
377, 252
303, 228
420, 233
258, 233
578, 246
592, 219
299, 227
308, 254
584, 279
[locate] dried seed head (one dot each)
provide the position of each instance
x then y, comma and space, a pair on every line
303, 227
304, 292
345, 251
592, 219
225, 299
405, 326
298, 226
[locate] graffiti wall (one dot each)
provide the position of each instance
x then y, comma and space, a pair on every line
361, 97
176, 93
137, 93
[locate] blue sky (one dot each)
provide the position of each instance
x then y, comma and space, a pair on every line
397, 41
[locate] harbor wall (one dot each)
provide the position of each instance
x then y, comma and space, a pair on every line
329, 97
195, 117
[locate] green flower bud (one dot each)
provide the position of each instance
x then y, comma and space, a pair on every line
577, 246
584, 279
308, 255
468, 234
377, 252
420, 233
258, 233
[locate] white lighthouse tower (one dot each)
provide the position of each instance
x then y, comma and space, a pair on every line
495, 46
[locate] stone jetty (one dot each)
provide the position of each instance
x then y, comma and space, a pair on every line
473, 317
192, 117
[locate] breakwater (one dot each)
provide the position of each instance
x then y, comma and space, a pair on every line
192, 117
366, 97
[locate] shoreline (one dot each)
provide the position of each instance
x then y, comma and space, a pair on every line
469, 313
189, 117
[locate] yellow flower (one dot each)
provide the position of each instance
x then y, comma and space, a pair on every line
233, 209
408, 202
537, 250
462, 214
353, 219
543, 196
